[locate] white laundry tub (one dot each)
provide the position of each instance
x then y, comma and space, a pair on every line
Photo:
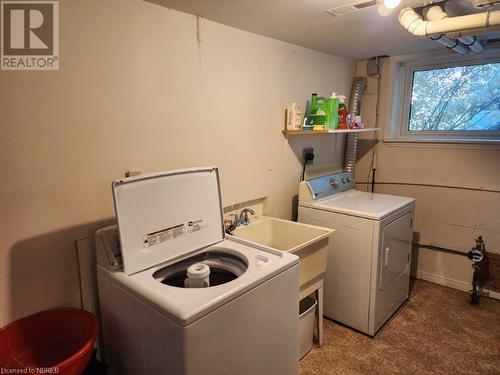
310, 243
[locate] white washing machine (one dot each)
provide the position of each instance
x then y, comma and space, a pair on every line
241, 318
368, 267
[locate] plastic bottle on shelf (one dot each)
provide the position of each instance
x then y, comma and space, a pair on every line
319, 119
314, 103
293, 117
332, 107
342, 113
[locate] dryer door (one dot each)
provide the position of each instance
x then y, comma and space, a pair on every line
396, 250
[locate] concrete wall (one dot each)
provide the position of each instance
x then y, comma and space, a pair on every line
136, 90
446, 217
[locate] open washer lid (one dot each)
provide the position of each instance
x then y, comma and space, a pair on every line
166, 215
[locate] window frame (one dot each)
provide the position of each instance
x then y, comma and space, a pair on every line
401, 73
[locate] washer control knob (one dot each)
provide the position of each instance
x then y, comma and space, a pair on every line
343, 180
333, 184
348, 179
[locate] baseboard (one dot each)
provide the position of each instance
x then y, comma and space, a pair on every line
455, 284
445, 281
490, 293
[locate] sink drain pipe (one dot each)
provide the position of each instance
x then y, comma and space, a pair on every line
351, 145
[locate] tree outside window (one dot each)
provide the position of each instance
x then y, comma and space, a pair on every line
462, 98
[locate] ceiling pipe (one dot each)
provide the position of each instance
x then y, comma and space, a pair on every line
474, 45
450, 43
436, 13
472, 32
414, 24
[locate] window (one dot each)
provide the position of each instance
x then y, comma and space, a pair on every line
447, 99
461, 98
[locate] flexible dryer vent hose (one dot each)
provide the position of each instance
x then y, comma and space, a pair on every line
351, 145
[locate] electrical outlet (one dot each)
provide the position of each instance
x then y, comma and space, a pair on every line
306, 156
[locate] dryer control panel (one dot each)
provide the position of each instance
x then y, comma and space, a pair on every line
325, 186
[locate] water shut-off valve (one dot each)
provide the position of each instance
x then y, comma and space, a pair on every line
480, 263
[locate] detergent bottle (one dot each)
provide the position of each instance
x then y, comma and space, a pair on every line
293, 117
332, 109
342, 113
314, 104
318, 112
319, 119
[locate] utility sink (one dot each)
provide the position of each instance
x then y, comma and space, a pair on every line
310, 243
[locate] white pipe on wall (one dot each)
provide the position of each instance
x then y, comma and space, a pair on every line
414, 24
436, 13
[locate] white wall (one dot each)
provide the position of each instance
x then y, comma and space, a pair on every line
137, 91
446, 217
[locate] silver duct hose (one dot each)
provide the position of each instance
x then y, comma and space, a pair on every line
351, 144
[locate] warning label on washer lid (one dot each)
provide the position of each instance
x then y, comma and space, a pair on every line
196, 225
163, 235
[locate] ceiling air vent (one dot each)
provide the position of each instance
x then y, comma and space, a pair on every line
343, 9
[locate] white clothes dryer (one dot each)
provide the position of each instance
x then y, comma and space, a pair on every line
368, 266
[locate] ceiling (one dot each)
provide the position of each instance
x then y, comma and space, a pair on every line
358, 35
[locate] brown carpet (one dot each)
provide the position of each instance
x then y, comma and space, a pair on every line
435, 332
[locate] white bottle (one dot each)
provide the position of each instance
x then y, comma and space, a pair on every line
293, 117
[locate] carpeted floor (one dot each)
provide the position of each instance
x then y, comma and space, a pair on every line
436, 332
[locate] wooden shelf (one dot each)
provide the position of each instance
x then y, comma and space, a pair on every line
338, 131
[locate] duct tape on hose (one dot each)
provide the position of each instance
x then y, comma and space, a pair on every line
198, 276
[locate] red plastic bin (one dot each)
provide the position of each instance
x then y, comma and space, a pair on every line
55, 341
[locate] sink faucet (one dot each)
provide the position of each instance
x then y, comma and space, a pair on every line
241, 219
244, 219
233, 224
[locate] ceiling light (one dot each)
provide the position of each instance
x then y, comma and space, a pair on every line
391, 4
383, 10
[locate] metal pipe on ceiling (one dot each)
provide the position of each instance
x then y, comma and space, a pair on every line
450, 43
